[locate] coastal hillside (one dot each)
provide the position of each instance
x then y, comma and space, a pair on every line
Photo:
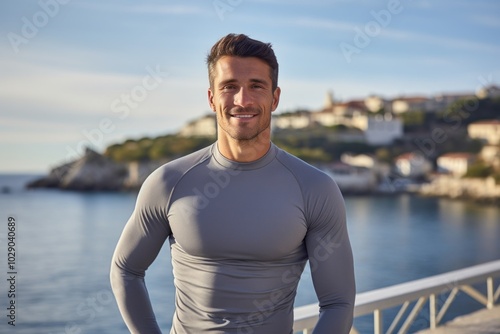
348, 140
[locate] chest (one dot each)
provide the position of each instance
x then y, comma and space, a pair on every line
244, 217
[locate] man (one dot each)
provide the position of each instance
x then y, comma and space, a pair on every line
242, 218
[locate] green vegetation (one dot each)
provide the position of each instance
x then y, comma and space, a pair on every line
480, 170
165, 147
319, 144
496, 176
463, 112
414, 119
443, 132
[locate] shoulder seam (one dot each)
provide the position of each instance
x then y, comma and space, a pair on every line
297, 181
183, 175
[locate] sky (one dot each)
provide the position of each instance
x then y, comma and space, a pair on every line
78, 73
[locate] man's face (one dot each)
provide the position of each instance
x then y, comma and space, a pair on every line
242, 98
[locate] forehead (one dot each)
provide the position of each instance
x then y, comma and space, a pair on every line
241, 68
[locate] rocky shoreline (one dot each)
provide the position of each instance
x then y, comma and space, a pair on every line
474, 189
96, 172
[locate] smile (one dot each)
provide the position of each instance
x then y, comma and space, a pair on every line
243, 116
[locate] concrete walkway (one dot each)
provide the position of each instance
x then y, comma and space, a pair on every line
481, 322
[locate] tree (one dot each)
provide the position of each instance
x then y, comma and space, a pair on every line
480, 170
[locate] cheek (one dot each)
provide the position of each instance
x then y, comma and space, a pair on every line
223, 102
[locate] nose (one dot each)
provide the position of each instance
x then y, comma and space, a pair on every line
243, 98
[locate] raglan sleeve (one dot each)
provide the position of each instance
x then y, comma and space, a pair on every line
138, 246
330, 258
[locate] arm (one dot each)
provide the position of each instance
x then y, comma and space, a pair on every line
139, 245
331, 261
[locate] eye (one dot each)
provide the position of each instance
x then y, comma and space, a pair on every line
229, 87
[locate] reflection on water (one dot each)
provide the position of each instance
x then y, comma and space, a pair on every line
66, 240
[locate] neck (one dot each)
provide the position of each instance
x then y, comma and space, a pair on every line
243, 150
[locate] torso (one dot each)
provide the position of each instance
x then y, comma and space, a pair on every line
237, 244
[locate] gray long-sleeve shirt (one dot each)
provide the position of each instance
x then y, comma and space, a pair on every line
240, 235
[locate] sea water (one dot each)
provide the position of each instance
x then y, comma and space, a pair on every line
64, 241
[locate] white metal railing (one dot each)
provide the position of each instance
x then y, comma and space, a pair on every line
421, 291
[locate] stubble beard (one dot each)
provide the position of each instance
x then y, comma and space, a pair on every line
243, 137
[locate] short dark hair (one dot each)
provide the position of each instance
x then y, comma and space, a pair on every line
241, 45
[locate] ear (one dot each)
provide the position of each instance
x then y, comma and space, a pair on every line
210, 96
276, 98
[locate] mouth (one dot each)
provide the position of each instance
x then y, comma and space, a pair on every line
243, 116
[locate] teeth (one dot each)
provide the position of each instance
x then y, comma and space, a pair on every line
243, 116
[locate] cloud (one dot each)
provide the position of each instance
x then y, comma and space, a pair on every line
61, 89
26, 131
442, 41
392, 34
38, 98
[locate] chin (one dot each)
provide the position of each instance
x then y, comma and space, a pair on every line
244, 137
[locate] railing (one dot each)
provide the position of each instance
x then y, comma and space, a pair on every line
405, 294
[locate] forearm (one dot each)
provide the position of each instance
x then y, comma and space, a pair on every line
136, 250
133, 301
335, 285
335, 320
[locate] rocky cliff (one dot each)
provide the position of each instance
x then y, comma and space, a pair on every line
93, 171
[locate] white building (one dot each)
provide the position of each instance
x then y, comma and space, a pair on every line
324, 117
488, 131
297, 120
366, 161
456, 164
204, 126
375, 103
358, 160
411, 104
351, 178
350, 108
412, 165
338, 113
379, 130
491, 155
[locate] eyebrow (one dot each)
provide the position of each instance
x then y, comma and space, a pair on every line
264, 82
230, 81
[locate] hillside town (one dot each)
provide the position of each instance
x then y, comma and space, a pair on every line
446, 145
382, 122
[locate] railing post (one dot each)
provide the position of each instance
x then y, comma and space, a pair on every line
412, 315
490, 291
432, 311
378, 326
